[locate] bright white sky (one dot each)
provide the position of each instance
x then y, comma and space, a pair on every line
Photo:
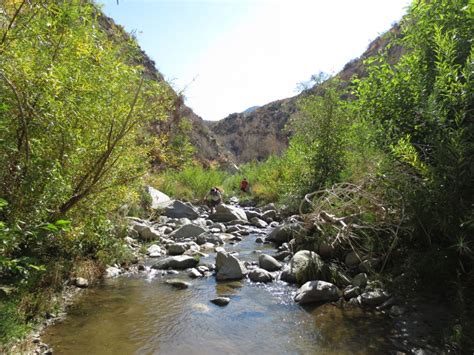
229, 55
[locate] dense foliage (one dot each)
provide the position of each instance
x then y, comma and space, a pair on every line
74, 109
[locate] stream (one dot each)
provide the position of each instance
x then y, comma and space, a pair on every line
140, 314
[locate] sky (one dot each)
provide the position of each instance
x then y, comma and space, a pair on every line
229, 55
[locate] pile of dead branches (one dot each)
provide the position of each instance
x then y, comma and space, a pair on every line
352, 216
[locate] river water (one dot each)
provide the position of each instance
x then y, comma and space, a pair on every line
140, 314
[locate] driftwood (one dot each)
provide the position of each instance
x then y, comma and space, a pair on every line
348, 213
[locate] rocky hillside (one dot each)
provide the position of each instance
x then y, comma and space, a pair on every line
260, 133
207, 148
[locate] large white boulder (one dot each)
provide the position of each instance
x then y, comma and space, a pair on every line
158, 198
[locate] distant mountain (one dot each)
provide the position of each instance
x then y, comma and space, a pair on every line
259, 133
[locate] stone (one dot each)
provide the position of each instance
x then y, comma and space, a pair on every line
202, 268
180, 284
285, 233
158, 198
317, 291
177, 248
269, 263
154, 251
184, 220
187, 231
259, 240
373, 298
194, 273
232, 229
260, 275
227, 213
253, 214
270, 215
221, 301
178, 209
229, 267
352, 259
111, 272
352, 292
297, 264
207, 237
270, 206
81, 282
360, 280
145, 232
220, 226
180, 262
207, 246
257, 222
282, 255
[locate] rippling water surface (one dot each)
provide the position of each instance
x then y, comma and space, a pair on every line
140, 314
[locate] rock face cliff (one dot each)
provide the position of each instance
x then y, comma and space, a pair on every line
259, 133
207, 148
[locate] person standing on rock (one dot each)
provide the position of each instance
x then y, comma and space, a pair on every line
213, 198
244, 185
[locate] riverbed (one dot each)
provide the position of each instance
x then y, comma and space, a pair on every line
140, 314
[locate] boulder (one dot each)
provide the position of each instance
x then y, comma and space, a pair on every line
176, 262
232, 229
253, 214
227, 213
187, 231
285, 233
180, 284
298, 264
268, 263
158, 198
257, 222
260, 275
177, 248
179, 209
317, 291
154, 251
374, 298
145, 232
269, 215
280, 256
209, 238
352, 292
229, 267
360, 280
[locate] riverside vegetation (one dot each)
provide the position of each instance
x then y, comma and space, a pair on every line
384, 166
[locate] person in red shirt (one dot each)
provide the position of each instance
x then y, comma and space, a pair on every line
244, 185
